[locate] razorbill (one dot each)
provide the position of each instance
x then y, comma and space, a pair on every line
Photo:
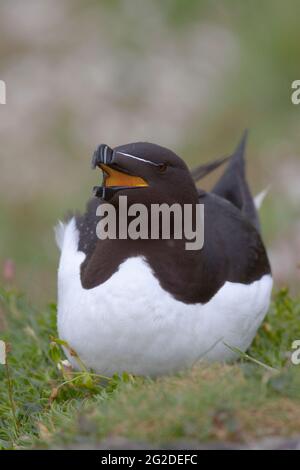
149, 306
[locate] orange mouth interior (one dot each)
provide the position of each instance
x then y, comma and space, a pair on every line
117, 178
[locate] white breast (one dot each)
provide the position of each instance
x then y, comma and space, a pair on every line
129, 323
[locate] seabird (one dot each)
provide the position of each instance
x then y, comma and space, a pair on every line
151, 307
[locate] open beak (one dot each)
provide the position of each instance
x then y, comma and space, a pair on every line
114, 178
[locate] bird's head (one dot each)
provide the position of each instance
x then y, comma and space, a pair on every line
145, 173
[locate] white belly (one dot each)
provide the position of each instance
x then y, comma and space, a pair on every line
129, 323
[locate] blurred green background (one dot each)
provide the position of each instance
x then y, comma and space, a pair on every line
187, 74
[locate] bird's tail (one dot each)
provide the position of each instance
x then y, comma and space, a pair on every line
233, 184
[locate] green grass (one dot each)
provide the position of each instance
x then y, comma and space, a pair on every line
239, 402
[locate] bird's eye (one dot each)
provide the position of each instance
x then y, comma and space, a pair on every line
162, 167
